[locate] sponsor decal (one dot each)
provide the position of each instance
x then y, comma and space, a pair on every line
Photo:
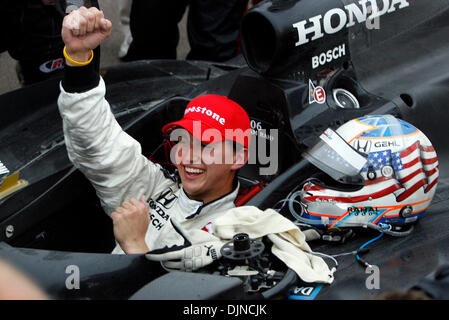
362, 145
208, 228
328, 56
157, 213
166, 198
364, 211
361, 215
337, 19
211, 252
328, 134
304, 292
208, 113
316, 94
52, 65
387, 144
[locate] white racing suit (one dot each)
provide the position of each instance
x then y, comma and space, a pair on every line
180, 233
114, 164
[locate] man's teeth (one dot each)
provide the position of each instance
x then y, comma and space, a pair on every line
193, 170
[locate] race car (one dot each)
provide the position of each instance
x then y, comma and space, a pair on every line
306, 71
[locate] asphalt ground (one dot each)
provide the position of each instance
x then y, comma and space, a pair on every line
109, 49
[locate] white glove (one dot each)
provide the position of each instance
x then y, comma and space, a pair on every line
188, 257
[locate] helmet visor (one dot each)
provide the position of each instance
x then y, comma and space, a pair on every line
334, 156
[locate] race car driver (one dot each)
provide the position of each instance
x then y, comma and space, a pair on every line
148, 206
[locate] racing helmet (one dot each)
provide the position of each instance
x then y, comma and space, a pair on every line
375, 170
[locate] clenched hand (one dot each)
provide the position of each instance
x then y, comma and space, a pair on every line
131, 221
83, 30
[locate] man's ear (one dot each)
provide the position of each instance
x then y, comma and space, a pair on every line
240, 158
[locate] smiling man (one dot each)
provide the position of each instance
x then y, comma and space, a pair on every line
151, 209
213, 141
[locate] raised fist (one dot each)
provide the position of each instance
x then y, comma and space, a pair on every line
131, 222
83, 30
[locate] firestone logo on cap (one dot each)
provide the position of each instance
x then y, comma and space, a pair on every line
207, 112
214, 112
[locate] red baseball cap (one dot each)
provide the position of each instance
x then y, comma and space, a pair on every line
212, 118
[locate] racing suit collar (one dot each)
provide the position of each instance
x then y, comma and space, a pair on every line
195, 207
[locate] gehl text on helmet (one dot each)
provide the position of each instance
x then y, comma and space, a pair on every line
358, 12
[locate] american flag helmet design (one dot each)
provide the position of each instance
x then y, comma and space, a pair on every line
400, 176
